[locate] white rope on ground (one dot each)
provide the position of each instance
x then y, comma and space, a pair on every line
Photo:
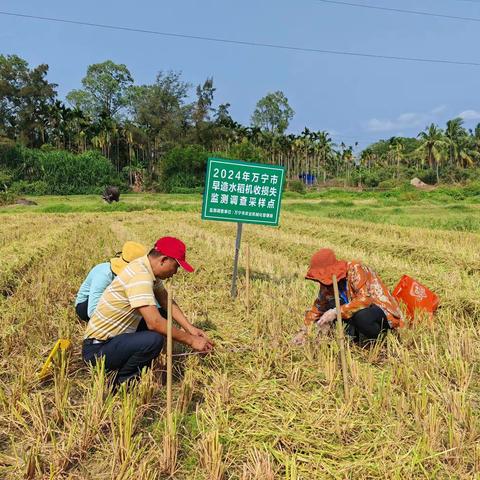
230, 350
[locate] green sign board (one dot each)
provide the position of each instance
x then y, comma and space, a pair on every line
245, 192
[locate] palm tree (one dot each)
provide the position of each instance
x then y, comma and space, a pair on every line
467, 151
475, 139
325, 147
455, 133
396, 149
367, 157
433, 144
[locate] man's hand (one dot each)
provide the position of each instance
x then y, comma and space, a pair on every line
201, 344
197, 332
158, 324
328, 317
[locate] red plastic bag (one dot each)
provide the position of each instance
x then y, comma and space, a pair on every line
415, 296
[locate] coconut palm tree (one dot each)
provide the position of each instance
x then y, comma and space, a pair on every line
367, 157
395, 147
467, 151
433, 144
475, 139
455, 134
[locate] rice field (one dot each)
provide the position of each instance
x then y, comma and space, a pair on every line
257, 408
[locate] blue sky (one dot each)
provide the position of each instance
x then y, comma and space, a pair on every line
356, 99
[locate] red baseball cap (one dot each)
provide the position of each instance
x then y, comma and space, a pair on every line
174, 248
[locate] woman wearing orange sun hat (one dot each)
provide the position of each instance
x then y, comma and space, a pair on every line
367, 306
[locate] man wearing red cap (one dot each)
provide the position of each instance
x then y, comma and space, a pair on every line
367, 306
112, 330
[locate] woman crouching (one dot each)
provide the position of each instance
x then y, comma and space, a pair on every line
367, 307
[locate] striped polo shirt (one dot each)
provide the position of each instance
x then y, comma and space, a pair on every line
116, 312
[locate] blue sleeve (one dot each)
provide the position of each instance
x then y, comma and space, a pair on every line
97, 287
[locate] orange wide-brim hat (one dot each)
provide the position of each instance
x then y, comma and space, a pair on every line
324, 265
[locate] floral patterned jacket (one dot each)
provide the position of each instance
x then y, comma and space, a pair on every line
364, 287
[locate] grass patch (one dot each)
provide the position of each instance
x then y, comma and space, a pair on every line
457, 217
403, 206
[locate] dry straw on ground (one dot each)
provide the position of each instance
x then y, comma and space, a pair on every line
257, 408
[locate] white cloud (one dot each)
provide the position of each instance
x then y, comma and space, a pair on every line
404, 121
439, 109
469, 115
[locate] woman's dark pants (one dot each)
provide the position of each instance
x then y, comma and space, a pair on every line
367, 324
82, 310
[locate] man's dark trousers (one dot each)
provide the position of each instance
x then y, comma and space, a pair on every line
127, 353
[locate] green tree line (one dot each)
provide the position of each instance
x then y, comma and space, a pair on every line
159, 135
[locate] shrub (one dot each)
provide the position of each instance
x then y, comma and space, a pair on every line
6, 177
45, 171
428, 176
454, 174
23, 187
370, 177
390, 183
472, 189
69, 174
245, 150
7, 197
183, 167
296, 186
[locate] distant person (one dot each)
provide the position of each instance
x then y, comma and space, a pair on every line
367, 307
112, 331
101, 276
